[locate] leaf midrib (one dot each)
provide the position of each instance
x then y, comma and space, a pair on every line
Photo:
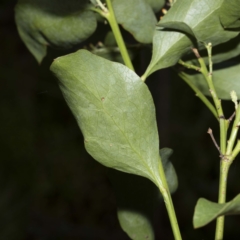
142, 159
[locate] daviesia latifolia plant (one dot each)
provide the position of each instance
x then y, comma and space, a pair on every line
112, 104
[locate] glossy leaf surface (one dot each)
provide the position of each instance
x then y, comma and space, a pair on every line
225, 79
206, 211
137, 17
138, 198
57, 23
185, 22
114, 110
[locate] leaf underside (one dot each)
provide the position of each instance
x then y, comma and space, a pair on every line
225, 78
56, 23
206, 211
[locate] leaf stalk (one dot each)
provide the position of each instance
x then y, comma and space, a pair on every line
163, 187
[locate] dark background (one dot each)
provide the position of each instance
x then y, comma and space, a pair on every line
51, 189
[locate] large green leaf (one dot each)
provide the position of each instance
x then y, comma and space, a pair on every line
225, 79
137, 17
184, 22
156, 5
206, 211
138, 198
58, 23
114, 110
230, 14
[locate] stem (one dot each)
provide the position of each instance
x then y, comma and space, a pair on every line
234, 132
225, 161
224, 167
218, 105
235, 151
189, 66
110, 16
199, 94
163, 187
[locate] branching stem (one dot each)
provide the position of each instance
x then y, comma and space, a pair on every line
199, 94
101, 5
218, 105
189, 66
223, 124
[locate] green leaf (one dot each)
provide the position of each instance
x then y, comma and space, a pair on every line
221, 52
170, 46
169, 170
138, 198
156, 5
177, 26
137, 17
56, 23
225, 79
230, 14
111, 53
114, 110
206, 211
110, 40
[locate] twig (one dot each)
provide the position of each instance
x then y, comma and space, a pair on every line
189, 66
199, 94
195, 51
209, 50
214, 141
231, 118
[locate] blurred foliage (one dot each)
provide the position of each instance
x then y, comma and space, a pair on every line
50, 188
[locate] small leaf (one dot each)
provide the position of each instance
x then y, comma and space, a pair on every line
114, 110
55, 23
226, 78
138, 198
156, 5
202, 17
206, 211
110, 40
169, 170
137, 17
